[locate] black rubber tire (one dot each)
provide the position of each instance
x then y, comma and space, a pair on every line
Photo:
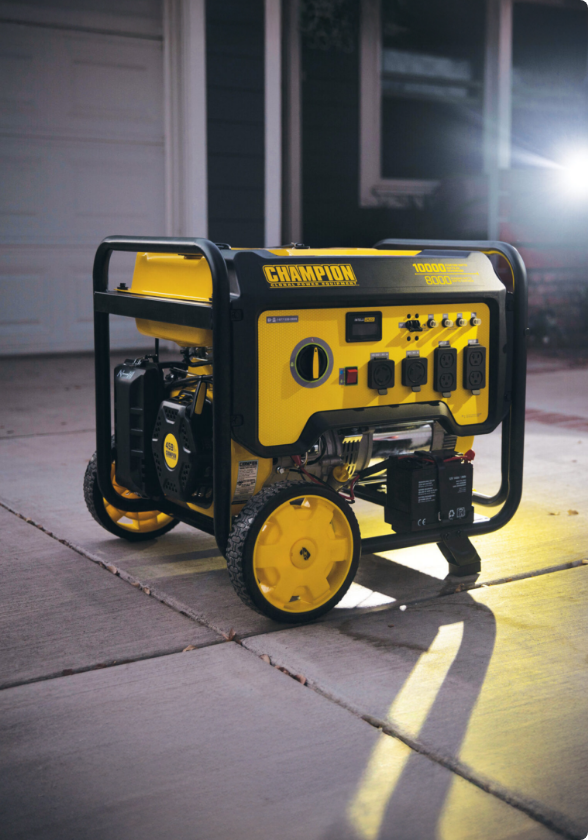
95, 504
244, 535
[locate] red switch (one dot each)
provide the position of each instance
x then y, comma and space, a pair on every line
351, 376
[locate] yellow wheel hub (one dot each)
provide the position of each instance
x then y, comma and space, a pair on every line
143, 521
303, 553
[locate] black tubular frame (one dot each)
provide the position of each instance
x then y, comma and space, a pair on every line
513, 425
105, 303
217, 318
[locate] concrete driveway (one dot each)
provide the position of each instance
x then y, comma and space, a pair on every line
141, 698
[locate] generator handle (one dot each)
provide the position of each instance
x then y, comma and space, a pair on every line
221, 348
513, 439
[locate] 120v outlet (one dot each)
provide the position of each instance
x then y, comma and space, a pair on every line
445, 370
474, 368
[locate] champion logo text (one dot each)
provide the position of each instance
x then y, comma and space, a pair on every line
288, 276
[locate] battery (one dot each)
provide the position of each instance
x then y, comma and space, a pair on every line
429, 490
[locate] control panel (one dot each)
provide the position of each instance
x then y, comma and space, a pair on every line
326, 359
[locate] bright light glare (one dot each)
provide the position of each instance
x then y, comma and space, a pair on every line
574, 173
361, 596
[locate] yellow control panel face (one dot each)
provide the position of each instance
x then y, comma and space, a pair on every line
304, 359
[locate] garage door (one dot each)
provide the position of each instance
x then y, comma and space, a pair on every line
81, 157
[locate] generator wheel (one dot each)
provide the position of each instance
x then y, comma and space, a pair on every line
293, 551
129, 525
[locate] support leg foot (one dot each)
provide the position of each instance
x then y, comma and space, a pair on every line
462, 557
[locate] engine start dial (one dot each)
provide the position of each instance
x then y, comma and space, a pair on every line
311, 362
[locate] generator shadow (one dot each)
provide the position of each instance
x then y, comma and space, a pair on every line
381, 582
436, 656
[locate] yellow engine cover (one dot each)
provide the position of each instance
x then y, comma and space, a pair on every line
180, 278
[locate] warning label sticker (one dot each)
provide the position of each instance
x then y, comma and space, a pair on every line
460, 483
282, 319
246, 480
426, 491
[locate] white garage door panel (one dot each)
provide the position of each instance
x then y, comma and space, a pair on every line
25, 295
67, 193
81, 157
22, 88
25, 194
26, 313
141, 17
122, 89
80, 84
120, 185
48, 294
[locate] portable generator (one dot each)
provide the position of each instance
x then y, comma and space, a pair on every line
305, 379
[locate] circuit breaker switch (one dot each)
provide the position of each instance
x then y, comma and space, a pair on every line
351, 376
414, 325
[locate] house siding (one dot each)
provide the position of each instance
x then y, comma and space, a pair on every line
235, 121
330, 141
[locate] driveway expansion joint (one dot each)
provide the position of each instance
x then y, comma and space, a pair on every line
164, 598
556, 822
466, 587
112, 663
417, 602
553, 820
182, 608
